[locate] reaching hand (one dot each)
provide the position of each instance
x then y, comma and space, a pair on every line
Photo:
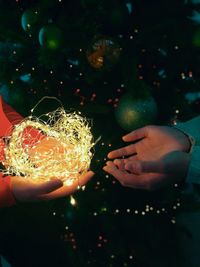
26, 191
158, 157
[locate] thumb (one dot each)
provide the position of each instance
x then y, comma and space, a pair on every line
46, 187
85, 178
139, 167
24, 190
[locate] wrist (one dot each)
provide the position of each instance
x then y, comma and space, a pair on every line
187, 140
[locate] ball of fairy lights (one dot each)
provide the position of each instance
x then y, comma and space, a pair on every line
61, 148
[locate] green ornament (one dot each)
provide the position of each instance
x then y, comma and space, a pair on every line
196, 38
132, 113
119, 17
29, 19
50, 37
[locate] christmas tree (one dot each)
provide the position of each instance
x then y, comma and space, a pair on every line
124, 64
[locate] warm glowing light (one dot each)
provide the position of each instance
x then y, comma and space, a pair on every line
72, 201
61, 148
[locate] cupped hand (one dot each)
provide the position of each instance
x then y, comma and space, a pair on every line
26, 190
150, 175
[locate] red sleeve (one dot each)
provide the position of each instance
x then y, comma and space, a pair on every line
8, 118
6, 196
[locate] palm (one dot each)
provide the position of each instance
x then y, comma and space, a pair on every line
153, 159
159, 142
152, 142
27, 190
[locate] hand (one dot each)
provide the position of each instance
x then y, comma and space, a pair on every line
47, 149
157, 158
27, 191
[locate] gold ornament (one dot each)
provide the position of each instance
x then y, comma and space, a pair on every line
104, 53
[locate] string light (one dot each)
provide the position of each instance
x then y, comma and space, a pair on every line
73, 201
61, 148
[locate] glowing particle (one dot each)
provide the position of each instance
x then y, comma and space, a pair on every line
72, 201
173, 221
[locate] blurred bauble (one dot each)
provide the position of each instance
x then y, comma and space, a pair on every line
119, 18
104, 53
4, 92
196, 38
132, 113
29, 19
50, 37
195, 2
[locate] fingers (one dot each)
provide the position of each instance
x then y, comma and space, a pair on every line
136, 135
113, 170
45, 188
124, 151
120, 163
139, 167
145, 181
131, 149
67, 190
129, 180
85, 178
